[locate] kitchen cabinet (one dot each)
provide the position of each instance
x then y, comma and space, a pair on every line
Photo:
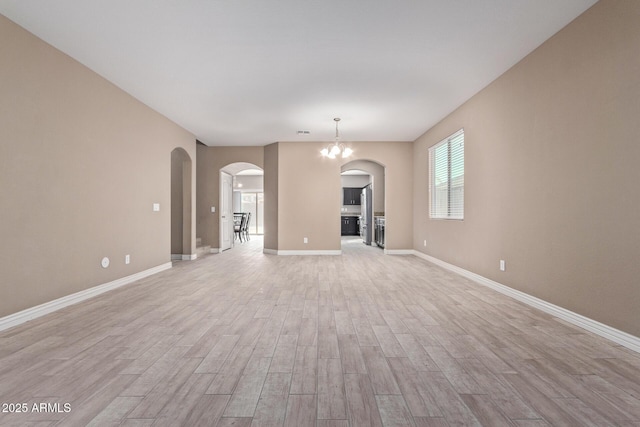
351, 196
349, 226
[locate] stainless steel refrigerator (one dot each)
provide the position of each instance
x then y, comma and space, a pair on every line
366, 219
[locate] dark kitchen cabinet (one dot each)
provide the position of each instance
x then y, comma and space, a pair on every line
351, 196
349, 226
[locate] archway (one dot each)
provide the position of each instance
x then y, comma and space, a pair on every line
365, 180
181, 244
241, 190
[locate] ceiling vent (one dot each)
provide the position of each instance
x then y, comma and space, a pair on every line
304, 132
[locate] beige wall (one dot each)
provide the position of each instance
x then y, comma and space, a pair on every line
303, 192
310, 195
271, 197
209, 162
81, 164
551, 172
309, 198
176, 202
181, 203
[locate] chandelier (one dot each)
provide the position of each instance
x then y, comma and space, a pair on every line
337, 148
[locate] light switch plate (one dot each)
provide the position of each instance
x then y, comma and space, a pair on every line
156, 207
213, 209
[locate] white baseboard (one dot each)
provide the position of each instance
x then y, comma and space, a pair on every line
399, 252
214, 250
269, 251
51, 306
325, 252
627, 340
181, 257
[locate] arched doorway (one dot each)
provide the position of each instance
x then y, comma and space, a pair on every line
365, 181
241, 191
181, 244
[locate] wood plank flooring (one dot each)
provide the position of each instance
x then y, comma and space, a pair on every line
247, 339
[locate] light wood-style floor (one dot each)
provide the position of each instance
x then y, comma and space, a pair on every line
241, 338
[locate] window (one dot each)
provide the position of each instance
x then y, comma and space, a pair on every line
254, 203
446, 178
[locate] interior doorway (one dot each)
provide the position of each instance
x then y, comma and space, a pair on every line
247, 200
362, 213
181, 205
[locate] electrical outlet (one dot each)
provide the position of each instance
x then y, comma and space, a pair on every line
127, 259
213, 209
306, 240
156, 207
503, 265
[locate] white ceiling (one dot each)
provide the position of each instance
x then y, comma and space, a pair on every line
252, 72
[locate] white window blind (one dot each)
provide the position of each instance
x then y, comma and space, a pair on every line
446, 178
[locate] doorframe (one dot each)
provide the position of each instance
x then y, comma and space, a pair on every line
363, 165
222, 203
